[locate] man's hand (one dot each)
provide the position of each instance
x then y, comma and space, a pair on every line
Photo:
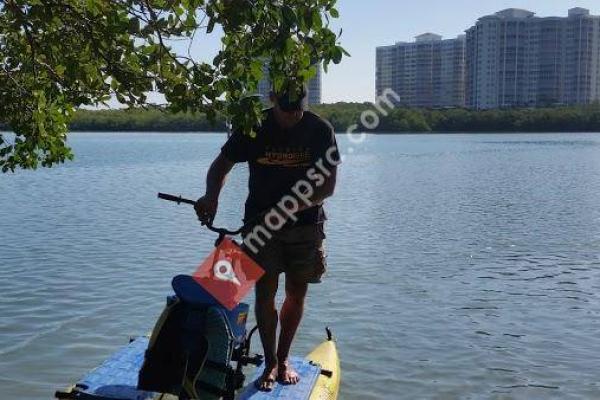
206, 206
206, 209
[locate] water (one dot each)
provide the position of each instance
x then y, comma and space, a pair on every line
461, 266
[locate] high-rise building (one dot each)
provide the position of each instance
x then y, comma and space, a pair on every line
429, 72
500, 71
582, 57
515, 59
314, 87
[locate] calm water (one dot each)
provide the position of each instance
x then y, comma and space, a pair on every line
460, 266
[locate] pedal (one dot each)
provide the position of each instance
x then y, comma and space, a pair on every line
256, 360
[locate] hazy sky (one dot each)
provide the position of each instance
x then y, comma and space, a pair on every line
372, 23
368, 24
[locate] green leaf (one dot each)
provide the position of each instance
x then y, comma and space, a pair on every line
211, 26
317, 21
289, 15
179, 89
134, 26
60, 70
257, 69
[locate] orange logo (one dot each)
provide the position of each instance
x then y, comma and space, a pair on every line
228, 274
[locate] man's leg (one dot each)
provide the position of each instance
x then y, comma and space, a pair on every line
290, 317
266, 319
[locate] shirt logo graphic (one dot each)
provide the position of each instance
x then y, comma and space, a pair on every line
286, 157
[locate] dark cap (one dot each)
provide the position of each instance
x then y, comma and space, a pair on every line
290, 101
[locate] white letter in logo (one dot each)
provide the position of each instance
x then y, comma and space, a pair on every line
304, 191
318, 179
329, 156
289, 205
274, 220
369, 114
353, 137
254, 237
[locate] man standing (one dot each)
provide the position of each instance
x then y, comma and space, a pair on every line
287, 146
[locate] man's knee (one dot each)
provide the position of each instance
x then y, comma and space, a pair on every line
295, 291
266, 290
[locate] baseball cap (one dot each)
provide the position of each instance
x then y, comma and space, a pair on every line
290, 101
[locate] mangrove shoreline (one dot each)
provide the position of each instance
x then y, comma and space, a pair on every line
344, 115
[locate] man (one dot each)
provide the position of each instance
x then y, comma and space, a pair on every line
287, 146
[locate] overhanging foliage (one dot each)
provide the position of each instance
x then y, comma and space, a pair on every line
59, 55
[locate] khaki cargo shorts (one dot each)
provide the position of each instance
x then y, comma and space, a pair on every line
297, 251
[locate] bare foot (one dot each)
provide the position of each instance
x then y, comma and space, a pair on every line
286, 374
267, 380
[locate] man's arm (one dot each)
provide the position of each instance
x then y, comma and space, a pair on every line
206, 206
320, 193
217, 173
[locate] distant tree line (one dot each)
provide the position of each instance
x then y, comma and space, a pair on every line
343, 115
405, 120
153, 120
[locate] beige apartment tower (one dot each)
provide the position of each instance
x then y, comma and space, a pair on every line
516, 59
429, 72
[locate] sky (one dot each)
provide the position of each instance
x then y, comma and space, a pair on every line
368, 24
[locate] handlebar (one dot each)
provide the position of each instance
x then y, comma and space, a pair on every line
176, 199
179, 200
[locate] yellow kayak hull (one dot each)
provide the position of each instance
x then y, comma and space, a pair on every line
327, 386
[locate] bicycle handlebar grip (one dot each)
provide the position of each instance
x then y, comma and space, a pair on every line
176, 199
179, 200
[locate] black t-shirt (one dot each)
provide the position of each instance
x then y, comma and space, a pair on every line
279, 158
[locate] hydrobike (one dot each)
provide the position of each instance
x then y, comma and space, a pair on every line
220, 349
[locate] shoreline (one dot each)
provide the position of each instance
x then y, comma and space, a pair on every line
338, 133
345, 133
358, 116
